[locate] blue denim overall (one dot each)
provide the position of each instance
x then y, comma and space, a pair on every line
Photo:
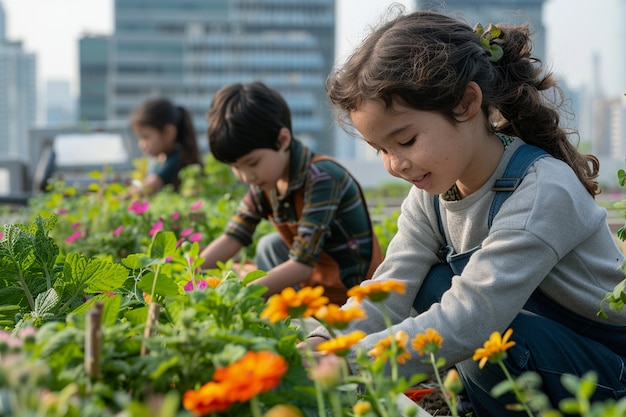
550, 339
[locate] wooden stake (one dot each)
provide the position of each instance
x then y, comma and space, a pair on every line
153, 316
93, 341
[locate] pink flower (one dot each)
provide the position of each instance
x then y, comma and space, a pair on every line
75, 225
175, 216
196, 205
179, 241
196, 237
169, 258
186, 232
1, 235
61, 211
117, 231
200, 285
71, 238
139, 206
157, 226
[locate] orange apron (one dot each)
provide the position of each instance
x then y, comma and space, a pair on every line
326, 271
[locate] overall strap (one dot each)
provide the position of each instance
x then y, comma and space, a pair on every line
504, 186
515, 171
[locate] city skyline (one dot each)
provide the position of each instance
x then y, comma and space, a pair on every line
574, 37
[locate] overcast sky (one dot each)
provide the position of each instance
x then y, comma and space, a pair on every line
576, 30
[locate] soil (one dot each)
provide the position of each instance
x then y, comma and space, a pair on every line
434, 404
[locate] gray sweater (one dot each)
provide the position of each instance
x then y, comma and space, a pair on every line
549, 233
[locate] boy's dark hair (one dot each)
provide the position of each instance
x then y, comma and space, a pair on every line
245, 117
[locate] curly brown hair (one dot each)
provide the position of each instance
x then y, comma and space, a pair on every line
426, 59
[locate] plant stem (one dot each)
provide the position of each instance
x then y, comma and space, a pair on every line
394, 348
255, 407
516, 390
444, 392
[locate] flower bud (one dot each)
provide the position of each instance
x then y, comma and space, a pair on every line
452, 382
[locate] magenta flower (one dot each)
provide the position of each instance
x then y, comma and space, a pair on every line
196, 205
196, 237
139, 206
117, 231
75, 225
157, 226
175, 216
1, 235
169, 258
186, 232
179, 241
62, 211
71, 238
200, 285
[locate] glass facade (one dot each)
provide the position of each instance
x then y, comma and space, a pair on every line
187, 49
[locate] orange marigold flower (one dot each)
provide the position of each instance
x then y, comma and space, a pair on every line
294, 304
428, 342
210, 398
338, 318
254, 373
494, 349
382, 348
147, 297
376, 291
341, 344
213, 282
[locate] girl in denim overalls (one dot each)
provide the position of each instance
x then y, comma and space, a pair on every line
495, 233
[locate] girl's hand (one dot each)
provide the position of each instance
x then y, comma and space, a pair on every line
308, 349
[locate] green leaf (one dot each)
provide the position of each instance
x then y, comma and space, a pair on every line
133, 261
570, 382
165, 285
94, 275
45, 302
163, 244
502, 388
569, 406
253, 275
588, 384
621, 176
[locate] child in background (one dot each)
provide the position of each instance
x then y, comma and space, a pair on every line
449, 112
325, 235
166, 133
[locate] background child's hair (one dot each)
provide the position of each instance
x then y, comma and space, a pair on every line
245, 117
425, 60
159, 112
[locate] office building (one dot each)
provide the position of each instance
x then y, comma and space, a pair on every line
187, 49
18, 95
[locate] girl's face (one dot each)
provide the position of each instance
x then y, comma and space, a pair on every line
421, 147
154, 142
263, 167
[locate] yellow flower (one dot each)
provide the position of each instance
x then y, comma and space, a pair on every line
341, 344
428, 342
361, 407
494, 349
337, 318
289, 303
376, 291
383, 347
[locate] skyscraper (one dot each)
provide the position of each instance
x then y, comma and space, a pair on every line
18, 96
187, 49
